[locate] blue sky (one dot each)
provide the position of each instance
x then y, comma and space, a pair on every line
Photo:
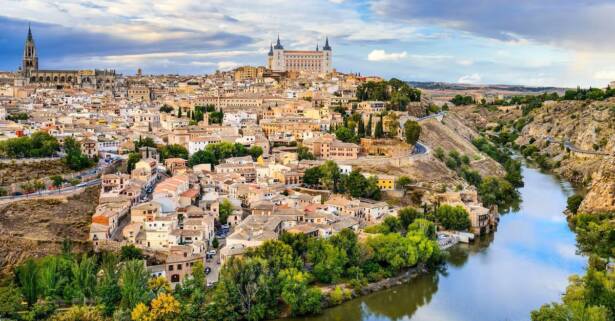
528, 42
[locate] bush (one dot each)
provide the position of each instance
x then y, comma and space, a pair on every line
574, 202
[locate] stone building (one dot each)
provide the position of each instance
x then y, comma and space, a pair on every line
30, 74
311, 61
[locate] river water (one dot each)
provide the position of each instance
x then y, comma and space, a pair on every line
503, 277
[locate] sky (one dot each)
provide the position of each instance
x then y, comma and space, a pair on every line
564, 43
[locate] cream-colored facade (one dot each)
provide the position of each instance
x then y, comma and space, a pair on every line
310, 61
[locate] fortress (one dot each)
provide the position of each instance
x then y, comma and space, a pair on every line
310, 61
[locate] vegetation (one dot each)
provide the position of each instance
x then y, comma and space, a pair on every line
173, 151
74, 159
304, 153
354, 184
226, 209
39, 144
592, 296
166, 109
574, 202
396, 92
453, 217
214, 153
412, 132
18, 116
460, 100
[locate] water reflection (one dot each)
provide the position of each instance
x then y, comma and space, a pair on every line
500, 277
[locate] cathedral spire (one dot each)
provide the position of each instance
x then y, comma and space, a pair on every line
317, 46
29, 32
327, 47
270, 49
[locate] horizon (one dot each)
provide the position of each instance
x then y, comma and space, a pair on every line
558, 45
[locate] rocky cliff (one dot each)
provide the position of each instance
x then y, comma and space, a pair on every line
601, 195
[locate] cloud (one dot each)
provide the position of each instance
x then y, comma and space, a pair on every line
465, 62
228, 65
381, 55
469, 79
608, 75
565, 23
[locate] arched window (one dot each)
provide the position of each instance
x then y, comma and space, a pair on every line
175, 278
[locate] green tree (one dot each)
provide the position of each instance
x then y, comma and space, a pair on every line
403, 181
408, 215
453, 217
133, 158
27, 280
368, 128
379, 131
312, 176
202, 157
297, 294
130, 252
345, 134
83, 278
133, 283
412, 132
74, 158
108, 292
166, 109
173, 151
328, 261
496, 191
226, 209
57, 180
330, 175
304, 153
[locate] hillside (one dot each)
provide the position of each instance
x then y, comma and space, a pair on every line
587, 125
35, 228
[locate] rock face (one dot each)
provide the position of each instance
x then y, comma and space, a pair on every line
601, 196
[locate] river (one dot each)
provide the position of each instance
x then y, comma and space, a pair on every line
502, 277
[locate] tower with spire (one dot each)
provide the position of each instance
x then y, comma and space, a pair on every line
29, 62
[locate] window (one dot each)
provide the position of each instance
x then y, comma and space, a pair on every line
179, 266
171, 267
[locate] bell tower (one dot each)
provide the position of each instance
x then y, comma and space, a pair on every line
30, 59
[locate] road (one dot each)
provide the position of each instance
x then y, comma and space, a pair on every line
213, 276
52, 192
568, 145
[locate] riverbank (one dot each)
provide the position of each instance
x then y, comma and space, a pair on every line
501, 276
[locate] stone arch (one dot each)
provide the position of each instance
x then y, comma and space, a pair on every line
62, 79
47, 79
55, 78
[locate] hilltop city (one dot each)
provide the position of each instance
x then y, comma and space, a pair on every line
355, 178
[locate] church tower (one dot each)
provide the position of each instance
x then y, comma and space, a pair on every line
30, 59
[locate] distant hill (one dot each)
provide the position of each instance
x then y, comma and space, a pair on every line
452, 86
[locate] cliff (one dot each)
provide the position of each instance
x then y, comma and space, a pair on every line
601, 195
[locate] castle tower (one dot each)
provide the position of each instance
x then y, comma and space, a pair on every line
270, 57
30, 59
327, 59
278, 60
